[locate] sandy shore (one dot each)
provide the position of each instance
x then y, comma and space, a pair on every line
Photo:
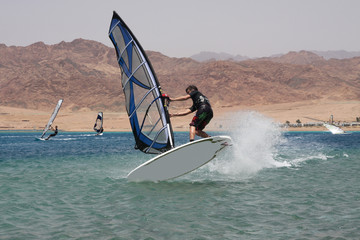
27, 119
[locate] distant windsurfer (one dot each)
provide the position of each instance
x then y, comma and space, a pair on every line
203, 110
53, 134
99, 131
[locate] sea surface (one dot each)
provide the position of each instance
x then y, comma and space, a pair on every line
271, 184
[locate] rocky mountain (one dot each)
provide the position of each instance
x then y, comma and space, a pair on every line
82, 72
299, 58
212, 56
341, 54
86, 75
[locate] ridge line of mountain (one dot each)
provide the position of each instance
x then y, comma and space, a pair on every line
86, 75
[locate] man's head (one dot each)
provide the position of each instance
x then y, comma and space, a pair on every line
191, 88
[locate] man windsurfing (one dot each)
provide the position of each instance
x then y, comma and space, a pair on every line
99, 131
53, 134
203, 110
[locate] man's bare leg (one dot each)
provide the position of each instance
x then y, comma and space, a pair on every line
192, 133
201, 133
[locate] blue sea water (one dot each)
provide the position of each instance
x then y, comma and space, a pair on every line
270, 184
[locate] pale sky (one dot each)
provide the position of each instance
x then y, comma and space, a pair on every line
181, 28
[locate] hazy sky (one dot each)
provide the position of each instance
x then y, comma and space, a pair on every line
181, 28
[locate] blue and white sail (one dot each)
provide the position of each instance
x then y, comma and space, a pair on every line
52, 118
146, 108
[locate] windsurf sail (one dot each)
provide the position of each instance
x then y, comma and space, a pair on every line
98, 122
146, 108
330, 126
52, 118
333, 129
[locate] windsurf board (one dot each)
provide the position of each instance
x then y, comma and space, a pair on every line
180, 160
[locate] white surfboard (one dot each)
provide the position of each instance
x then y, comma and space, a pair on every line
180, 160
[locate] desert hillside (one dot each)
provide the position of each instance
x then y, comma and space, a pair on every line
86, 75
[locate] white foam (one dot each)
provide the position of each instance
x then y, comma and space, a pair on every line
302, 159
254, 139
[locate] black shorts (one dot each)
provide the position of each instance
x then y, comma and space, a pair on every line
202, 117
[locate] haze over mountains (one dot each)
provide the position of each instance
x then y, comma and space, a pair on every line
86, 75
212, 56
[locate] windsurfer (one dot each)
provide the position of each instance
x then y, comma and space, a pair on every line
203, 110
99, 131
53, 134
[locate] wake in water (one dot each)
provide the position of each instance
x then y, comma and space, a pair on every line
254, 145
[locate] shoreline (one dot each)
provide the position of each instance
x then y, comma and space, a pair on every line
75, 131
18, 119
